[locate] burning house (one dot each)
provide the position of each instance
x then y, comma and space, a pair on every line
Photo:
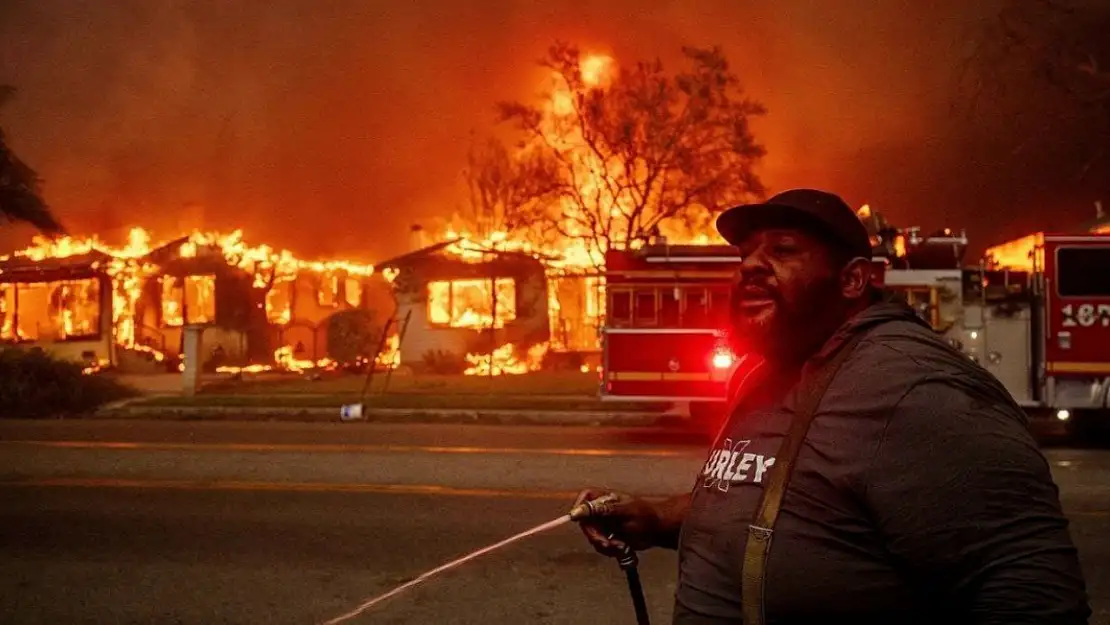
87, 301
489, 308
63, 305
482, 309
252, 314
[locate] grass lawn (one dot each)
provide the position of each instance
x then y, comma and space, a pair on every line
562, 383
562, 391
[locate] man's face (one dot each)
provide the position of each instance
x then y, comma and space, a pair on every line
785, 291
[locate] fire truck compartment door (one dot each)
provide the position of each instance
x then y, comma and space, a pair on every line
1008, 350
1077, 300
665, 365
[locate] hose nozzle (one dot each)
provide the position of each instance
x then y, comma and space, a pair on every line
601, 506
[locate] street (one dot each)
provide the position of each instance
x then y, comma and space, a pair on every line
205, 522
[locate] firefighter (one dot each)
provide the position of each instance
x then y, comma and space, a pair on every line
867, 472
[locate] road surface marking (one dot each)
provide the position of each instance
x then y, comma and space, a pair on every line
332, 487
328, 487
353, 448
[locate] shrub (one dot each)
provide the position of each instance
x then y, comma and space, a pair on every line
352, 334
35, 384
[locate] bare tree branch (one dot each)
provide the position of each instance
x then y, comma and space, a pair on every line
639, 149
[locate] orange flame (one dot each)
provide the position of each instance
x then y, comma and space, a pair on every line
471, 303
99, 366
391, 354
1018, 254
596, 69
504, 361
287, 361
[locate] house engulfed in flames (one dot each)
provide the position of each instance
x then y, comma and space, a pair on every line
86, 301
476, 309
493, 306
496, 311
63, 303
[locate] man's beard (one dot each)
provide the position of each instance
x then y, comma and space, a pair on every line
787, 328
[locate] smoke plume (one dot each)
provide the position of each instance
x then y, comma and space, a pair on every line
330, 127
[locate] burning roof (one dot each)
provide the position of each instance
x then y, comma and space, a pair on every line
24, 269
139, 248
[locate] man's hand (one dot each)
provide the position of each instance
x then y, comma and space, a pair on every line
628, 521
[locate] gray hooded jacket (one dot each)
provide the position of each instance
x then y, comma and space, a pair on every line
919, 496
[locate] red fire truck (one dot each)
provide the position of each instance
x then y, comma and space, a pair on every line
1042, 330
1043, 327
665, 338
666, 317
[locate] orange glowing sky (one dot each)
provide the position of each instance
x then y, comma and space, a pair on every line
329, 128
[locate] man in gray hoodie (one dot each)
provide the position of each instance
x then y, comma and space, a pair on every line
918, 494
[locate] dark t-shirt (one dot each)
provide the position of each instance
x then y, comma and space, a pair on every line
918, 497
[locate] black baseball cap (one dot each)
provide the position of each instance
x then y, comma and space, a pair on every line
821, 212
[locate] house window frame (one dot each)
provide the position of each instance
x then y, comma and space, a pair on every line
451, 288
103, 289
186, 316
323, 279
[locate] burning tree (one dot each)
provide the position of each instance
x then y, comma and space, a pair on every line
1044, 65
20, 198
616, 156
509, 194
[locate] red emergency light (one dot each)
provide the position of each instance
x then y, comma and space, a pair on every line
723, 358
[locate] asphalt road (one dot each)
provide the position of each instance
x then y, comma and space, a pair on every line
199, 522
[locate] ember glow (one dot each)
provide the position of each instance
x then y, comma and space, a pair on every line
95, 368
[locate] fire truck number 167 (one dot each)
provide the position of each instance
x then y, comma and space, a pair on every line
1086, 315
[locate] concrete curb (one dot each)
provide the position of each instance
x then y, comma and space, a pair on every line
391, 415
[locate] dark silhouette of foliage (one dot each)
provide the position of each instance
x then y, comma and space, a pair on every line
20, 194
